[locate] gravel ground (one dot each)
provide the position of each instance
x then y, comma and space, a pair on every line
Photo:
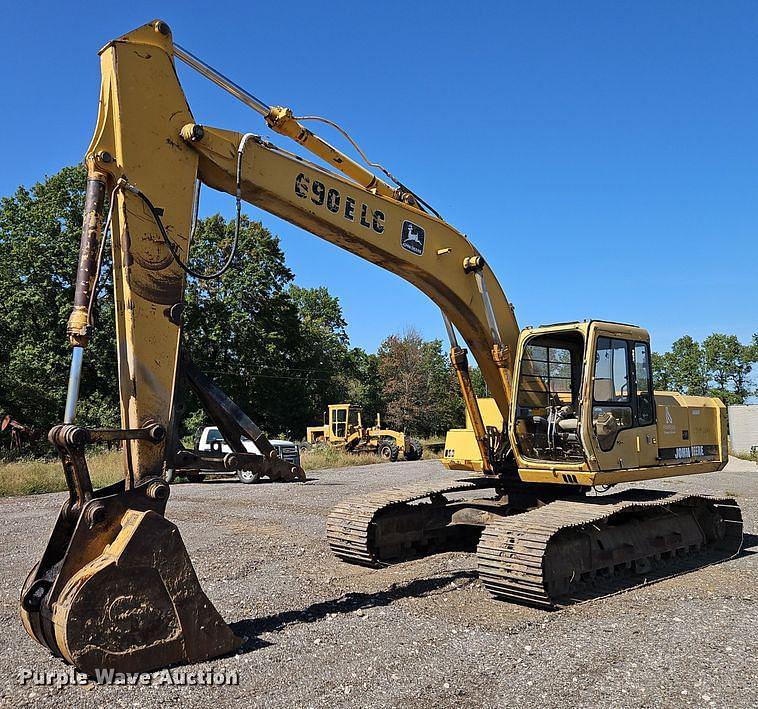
421, 634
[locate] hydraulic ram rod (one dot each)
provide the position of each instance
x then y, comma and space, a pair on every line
283, 122
220, 80
74, 377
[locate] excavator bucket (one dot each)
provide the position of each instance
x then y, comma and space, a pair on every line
135, 606
115, 588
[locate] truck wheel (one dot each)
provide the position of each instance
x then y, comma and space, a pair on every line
388, 451
195, 477
247, 476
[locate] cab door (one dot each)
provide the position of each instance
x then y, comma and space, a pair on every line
612, 434
644, 405
623, 430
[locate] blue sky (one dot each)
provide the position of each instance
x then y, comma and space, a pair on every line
602, 156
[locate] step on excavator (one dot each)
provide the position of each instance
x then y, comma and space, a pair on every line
115, 587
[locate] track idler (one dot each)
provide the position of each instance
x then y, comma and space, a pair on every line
115, 588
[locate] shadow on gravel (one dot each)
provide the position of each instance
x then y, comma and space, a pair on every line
348, 603
222, 479
749, 545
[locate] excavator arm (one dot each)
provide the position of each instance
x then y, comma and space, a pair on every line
113, 548
146, 139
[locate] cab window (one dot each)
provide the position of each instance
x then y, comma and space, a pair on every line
643, 384
546, 377
339, 423
611, 370
611, 410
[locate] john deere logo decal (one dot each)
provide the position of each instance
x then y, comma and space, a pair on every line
412, 238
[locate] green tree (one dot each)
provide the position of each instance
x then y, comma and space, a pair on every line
361, 383
721, 353
277, 349
721, 367
324, 355
663, 377
418, 385
477, 381
40, 230
729, 364
683, 369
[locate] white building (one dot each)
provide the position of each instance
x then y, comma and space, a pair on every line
743, 428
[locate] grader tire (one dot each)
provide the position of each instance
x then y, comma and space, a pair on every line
414, 451
388, 451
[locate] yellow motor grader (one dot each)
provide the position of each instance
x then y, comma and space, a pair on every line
115, 587
343, 428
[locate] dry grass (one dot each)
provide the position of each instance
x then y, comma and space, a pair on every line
320, 457
744, 455
31, 477
437, 443
35, 476
430, 455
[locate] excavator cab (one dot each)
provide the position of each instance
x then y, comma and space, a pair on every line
584, 395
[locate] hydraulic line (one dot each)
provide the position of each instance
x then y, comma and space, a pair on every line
172, 247
368, 162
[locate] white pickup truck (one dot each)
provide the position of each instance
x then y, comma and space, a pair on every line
210, 440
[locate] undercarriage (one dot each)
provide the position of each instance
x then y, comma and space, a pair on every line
536, 544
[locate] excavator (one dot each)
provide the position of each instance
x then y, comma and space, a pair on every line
574, 404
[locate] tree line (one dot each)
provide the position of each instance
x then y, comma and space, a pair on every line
279, 350
719, 366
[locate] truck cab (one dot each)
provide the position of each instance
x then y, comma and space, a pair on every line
210, 440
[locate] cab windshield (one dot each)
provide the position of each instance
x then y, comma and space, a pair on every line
547, 421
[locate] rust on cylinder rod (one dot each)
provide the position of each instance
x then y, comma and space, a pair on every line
78, 323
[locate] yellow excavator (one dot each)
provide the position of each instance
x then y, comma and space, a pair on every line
115, 586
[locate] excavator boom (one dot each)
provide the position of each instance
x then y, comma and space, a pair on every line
145, 158
417, 246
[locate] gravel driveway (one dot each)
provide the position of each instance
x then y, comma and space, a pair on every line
322, 633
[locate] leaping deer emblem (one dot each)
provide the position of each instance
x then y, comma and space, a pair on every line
413, 235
